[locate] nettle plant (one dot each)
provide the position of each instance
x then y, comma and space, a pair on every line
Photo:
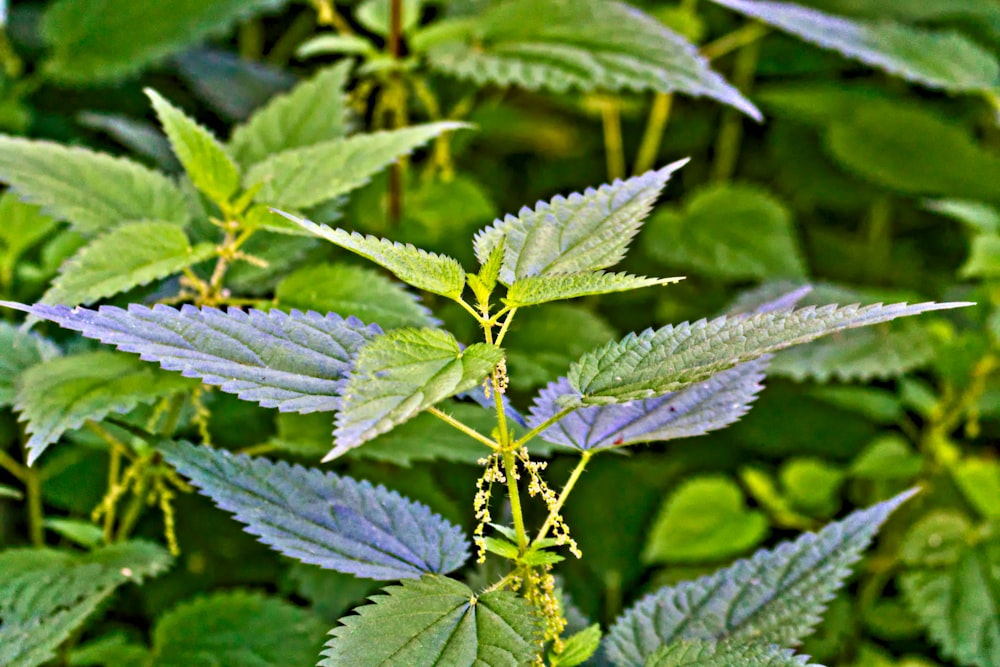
676, 381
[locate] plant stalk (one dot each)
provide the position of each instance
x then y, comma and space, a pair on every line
614, 149
510, 472
464, 428
656, 124
727, 145
568, 489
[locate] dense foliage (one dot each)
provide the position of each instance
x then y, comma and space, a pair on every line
408, 409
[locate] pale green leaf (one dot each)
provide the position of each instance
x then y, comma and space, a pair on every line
22, 226
979, 217
578, 648
327, 43
953, 587
19, 351
312, 112
701, 653
546, 287
205, 159
733, 231
979, 481
705, 519
401, 374
299, 178
10, 492
582, 232
125, 257
46, 594
424, 270
91, 191
936, 59
774, 597
561, 46
63, 393
984, 258
889, 457
237, 629
374, 15
435, 621
84, 533
812, 486
105, 40
352, 290
657, 361
110, 650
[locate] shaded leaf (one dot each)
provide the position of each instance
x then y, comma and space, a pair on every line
19, 351
775, 597
936, 59
984, 258
128, 256
205, 159
695, 410
237, 629
979, 481
402, 373
561, 46
582, 232
438, 621
546, 287
323, 519
91, 191
294, 362
22, 226
61, 394
302, 177
312, 112
424, 270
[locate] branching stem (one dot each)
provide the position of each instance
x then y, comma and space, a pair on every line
510, 472
523, 440
464, 428
570, 483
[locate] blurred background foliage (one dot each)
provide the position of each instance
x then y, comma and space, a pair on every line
869, 182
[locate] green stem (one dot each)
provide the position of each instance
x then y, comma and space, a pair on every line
173, 415
570, 483
737, 39
503, 329
611, 121
284, 49
879, 237
12, 64
656, 124
250, 39
523, 440
8, 463
464, 428
134, 510
36, 517
510, 472
395, 48
727, 146
114, 473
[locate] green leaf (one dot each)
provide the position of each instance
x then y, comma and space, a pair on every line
578, 648
812, 486
111, 650
325, 44
953, 587
46, 594
352, 290
374, 15
91, 191
424, 270
889, 457
312, 112
978, 216
732, 231
435, 620
984, 258
560, 46
701, 653
299, 178
10, 492
774, 597
19, 351
205, 159
401, 374
22, 227
979, 481
63, 393
936, 59
582, 232
547, 287
705, 519
84, 533
657, 361
94, 41
237, 629
128, 256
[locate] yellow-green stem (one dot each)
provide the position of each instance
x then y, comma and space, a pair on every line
284, 49
505, 327
250, 39
464, 428
614, 149
567, 489
510, 472
879, 237
8, 463
524, 439
134, 510
36, 518
737, 39
114, 473
659, 114
727, 145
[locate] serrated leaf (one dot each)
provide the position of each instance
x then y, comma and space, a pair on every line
533, 290
61, 394
321, 518
352, 290
774, 597
128, 256
424, 270
695, 410
312, 112
734, 231
237, 629
705, 519
19, 351
936, 59
91, 191
657, 361
701, 653
578, 648
104, 40
46, 594
402, 373
299, 178
438, 621
953, 587
294, 362
205, 159
582, 232
560, 46
979, 481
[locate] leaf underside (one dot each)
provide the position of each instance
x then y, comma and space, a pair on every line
323, 519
